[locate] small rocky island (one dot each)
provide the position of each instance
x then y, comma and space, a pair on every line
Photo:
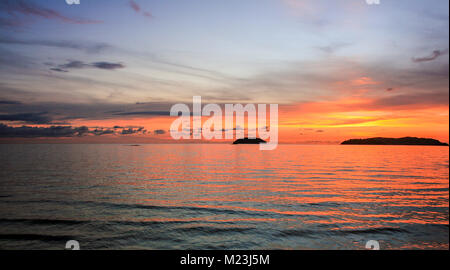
395, 141
249, 141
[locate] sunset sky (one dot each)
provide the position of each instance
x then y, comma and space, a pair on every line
109, 71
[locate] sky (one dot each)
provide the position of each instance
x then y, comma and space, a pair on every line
109, 71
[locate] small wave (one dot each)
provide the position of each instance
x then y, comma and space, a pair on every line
382, 230
44, 221
302, 233
39, 237
146, 206
65, 222
313, 233
208, 229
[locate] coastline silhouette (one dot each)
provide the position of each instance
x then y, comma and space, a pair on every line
249, 141
395, 141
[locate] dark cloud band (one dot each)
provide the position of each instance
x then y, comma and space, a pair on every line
75, 64
33, 118
63, 131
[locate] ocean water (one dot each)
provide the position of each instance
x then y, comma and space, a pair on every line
204, 196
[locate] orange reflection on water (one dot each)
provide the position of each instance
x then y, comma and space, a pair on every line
331, 188
295, 178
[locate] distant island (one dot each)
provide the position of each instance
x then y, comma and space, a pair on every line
249, 141
395, 141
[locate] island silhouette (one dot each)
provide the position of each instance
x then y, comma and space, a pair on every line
395, 141
249, 141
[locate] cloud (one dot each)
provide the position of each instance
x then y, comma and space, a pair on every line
157, 113
330, 121
59, 70
419, 99
400, 102
27, 8
64, 131
134, 6
33, 118
102, 131
106, 65
314, 80
36, 132
435, 54
12, 62
130, 131
159, 132
63, 44
116, 130
9, 102
67, 111
332, 48
75, 64
138, 9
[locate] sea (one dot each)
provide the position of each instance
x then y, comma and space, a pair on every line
220, 196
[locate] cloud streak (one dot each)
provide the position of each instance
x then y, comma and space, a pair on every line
27, 8
34, 118
37, 132
65, 131
62, 112
143, 113
75, 64
332, 48
134, 6
108, 66
138, 9
9, 102
434, 55
62, 44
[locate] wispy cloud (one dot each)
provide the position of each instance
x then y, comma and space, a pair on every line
154, 113
411, 100
63, 44
58, 70
33, 118
396, 103
10, 22
332, 48
434, 55
137, 8
134, 6
75, 64
9, 102
27, 8
67, 112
